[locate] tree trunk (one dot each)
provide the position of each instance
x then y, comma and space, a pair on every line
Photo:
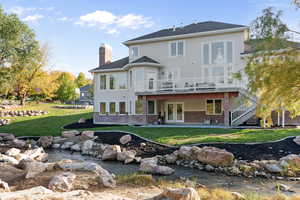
23, 99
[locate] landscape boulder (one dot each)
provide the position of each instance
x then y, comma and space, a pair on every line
70, 134
32, 193
111, 152
292, 159
6, 137
125, 139
45, 141
126, 156
8, 159
178, 194
32, 168
9, 173
4, 186
171, 158
215, 156
87, 135
149, 165
76, 147
163, 170
81, 121
18, 143
87, 146
62, 182
104, 177
297, 140
273, 167
36, 154
185, 152
13, 152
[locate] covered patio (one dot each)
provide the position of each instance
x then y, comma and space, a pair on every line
190, 108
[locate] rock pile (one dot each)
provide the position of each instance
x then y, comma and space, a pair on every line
4, 122
21, 113
212, 159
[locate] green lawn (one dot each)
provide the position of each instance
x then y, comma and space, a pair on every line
51, 125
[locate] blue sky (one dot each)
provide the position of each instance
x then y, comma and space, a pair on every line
74, 29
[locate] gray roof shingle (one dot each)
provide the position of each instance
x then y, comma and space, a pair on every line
191, 28
118, 64
145, 59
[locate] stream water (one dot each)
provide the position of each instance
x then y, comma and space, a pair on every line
211, 180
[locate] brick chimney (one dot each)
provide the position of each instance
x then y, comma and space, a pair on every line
105, 54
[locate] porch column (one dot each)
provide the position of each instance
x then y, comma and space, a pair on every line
226, 109
145, 106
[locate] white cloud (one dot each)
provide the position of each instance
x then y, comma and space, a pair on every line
33, 18
112, 23
113, 31
19, 10
64, 19
97, 18
134, 21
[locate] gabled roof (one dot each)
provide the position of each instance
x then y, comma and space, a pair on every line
118, 64
191, 28
144, 59
121, 63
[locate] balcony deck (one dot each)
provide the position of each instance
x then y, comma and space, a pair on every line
188, 86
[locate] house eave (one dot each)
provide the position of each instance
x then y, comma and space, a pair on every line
127, 43
126, 67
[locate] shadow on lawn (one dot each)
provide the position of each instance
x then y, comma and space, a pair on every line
41, 125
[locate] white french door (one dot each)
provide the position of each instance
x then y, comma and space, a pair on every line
174, 112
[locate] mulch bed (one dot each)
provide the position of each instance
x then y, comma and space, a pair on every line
88, 124
150, 149
260, 151
250, 152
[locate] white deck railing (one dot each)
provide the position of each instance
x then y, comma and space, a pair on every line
187, 84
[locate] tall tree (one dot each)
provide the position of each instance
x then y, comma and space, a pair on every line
21, 57
273, 67
67, 87
81, 80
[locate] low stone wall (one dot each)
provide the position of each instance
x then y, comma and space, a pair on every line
125, 119
21, 113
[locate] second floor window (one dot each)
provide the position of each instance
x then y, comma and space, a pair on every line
134, 51
217, 53
112, 82
177, 48
103, 82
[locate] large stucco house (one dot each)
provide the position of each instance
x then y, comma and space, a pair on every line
176, 75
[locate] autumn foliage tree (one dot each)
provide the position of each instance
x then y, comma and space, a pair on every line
273, 67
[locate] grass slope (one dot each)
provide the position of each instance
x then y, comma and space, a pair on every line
51, 124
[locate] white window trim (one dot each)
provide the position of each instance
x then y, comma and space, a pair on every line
210, 52
138, 51
166, 111
222, 109
177, 41
119, 107
108, 75
100, 108
155, 108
